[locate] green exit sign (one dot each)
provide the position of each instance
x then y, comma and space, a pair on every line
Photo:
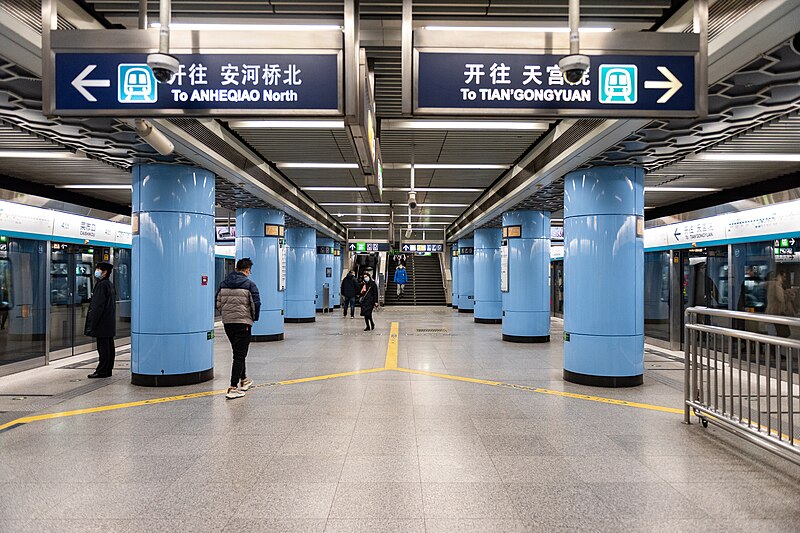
361, 247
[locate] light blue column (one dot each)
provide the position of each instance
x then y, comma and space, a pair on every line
301, 274
488, 298
324, 272
466, 276
454, 276
172, 322
604, 276
337, 275
526, 305
252, 241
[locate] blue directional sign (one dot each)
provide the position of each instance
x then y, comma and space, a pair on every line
250, 84
518, 83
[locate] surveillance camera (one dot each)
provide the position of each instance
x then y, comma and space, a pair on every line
574, 67
408, 233
164, 66
412, 200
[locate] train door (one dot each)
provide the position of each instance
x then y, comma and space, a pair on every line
704, 280
71, 285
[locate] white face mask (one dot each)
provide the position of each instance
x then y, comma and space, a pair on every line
366, 278
98, 274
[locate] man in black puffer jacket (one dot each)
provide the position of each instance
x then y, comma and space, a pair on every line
240, 304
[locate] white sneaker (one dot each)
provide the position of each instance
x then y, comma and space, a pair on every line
234, 393
246, 384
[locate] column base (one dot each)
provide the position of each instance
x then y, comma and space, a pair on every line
462, 310
488, 320
529, 339
267, 338
454, 307
603, 381
305, 320
171, 380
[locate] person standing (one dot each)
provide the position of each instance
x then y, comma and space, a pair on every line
101, 320
240, 304
401, 278
349, 291
369, 301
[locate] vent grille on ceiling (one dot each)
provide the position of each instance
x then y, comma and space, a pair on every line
29, 12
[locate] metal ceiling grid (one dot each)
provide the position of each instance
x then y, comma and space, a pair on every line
299, 145
456, 146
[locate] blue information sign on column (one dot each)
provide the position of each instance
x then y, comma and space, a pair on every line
252, 84
518, 83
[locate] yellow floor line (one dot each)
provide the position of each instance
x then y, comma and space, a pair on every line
391, 350
154, 401
550, 392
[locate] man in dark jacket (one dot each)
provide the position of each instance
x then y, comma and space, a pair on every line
349, 291
240, 304
101, 320
369, 300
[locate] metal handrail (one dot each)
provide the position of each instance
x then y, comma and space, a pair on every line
727, 370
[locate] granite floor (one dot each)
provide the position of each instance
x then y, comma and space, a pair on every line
384, 451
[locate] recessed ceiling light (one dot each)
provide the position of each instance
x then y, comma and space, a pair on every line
681, 189
526, 29
362, 215
38, 154
92, 186
341, 189
709, 156
287, 124
356, 223
443, 205
432, 189
445, 166
316, 165
463, 125
350, 204
247, 27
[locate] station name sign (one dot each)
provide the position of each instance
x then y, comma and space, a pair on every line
520, 83
121, 84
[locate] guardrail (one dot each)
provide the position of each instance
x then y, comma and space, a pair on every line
744, 381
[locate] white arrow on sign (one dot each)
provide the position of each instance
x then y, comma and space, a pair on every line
80, 83
673, 85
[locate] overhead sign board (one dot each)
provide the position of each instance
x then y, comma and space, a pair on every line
419, 247
368, 246
515, 82
121, 84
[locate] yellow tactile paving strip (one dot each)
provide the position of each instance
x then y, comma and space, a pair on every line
390, 365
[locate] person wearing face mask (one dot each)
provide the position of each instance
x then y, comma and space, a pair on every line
101, 319
369, 301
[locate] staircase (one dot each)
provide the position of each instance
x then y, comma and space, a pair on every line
424, 285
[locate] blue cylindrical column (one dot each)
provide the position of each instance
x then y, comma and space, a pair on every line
466, 276
301, 274
324, 272
337, 275
488, 298
454, 276
604, 276
526, 304
258, 234
172, 322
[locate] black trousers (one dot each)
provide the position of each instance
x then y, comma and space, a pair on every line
352, 303
239, 336
107, 352
368, 319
